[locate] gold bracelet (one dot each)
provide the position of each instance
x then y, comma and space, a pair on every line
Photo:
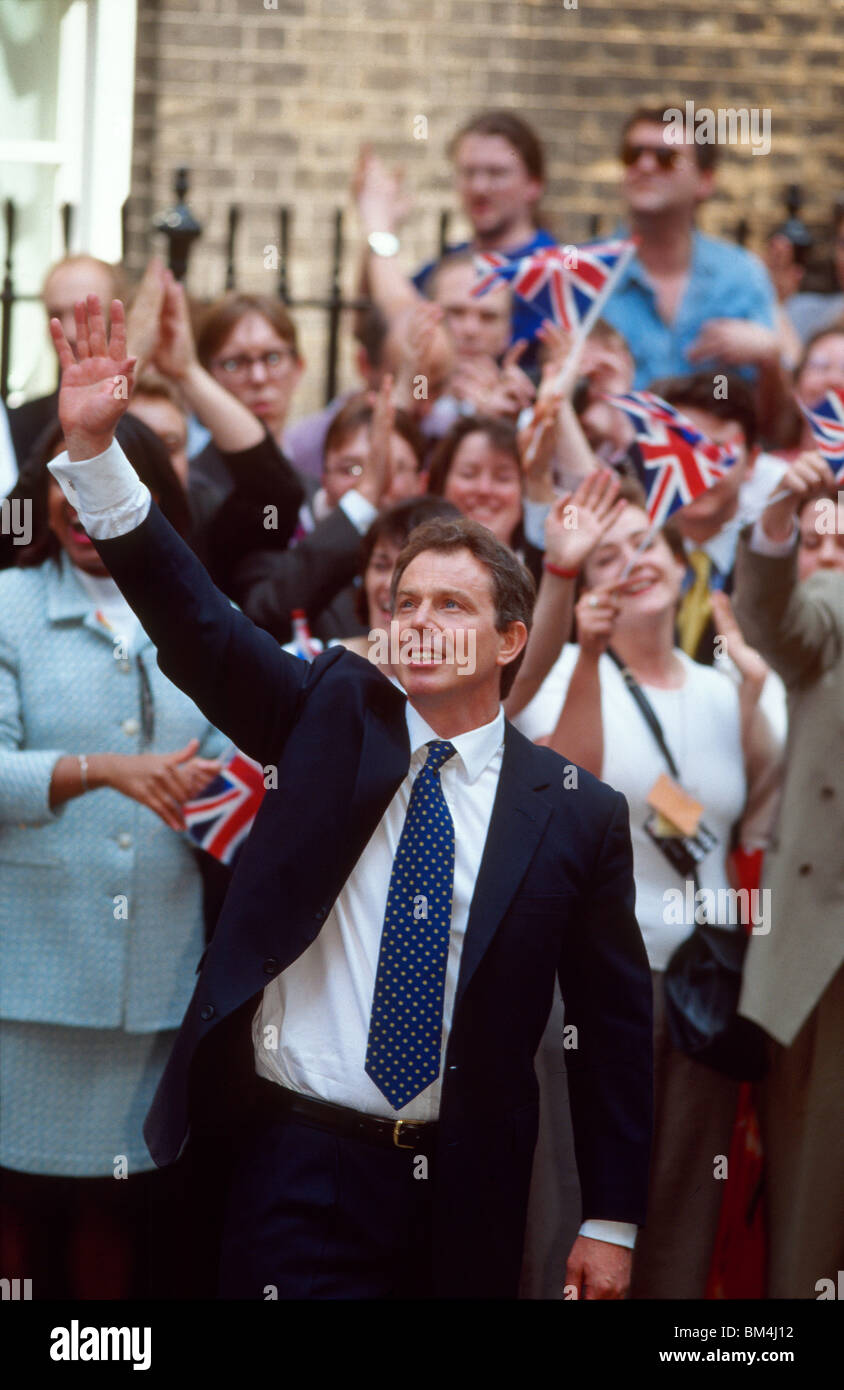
83, 768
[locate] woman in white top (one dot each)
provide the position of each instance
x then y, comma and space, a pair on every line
586, 712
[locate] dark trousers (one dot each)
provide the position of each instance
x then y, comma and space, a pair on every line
313, 1214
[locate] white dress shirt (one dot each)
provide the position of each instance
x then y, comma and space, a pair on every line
320, 1005
315, 1015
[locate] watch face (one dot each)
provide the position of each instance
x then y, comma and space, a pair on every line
384, 243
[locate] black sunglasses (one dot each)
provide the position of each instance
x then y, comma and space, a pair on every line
665, 156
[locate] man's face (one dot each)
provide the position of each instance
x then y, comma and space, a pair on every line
648, 187
495, 188
478, 326
344, 465
446, 593
168, 422
70, 283
820, 547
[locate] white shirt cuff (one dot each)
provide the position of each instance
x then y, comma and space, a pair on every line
106, 491
360, 512
616, 1232
534, 514
761, 544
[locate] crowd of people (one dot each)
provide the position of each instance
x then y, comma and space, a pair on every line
728, 621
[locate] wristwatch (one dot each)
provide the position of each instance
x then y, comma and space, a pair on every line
383, 243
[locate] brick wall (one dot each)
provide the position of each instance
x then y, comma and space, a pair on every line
270, 105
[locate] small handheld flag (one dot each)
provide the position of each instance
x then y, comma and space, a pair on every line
826, 421
675, 462
566, 284
220, 819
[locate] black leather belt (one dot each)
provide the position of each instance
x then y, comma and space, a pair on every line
399, 1134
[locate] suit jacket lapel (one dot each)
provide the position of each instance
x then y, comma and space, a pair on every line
519, 818
384, 760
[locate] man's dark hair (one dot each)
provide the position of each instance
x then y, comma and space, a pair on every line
394, 525
696, 393
357, 413
513, 589
511, 128
706, 156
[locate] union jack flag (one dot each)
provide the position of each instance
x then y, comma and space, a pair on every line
220, 819
675, 462
561, 283
826, 422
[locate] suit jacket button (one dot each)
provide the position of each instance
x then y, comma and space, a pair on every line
271, 966
804, 870
827, 792
206, 1012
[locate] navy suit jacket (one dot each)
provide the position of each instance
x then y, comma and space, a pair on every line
554, 895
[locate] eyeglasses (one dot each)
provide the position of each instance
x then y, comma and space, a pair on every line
344, 470
665, 156
273, 363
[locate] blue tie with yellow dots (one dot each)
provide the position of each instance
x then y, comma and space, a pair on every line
405, 1030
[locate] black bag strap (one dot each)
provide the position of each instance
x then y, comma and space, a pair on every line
647, 711
650, 717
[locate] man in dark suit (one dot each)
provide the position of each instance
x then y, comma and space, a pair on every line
415, 879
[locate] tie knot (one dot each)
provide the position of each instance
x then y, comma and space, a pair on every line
439, 752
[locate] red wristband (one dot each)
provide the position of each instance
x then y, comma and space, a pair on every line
559, 571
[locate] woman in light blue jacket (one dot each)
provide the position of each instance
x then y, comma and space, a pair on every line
101, 922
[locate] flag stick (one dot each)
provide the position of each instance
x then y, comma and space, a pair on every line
584, 328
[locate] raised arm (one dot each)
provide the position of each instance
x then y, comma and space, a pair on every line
236, 674
792, 626
573, 528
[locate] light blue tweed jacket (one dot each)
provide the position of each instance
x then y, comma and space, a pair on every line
71, 952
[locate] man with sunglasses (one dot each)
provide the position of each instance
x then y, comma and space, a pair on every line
687, 301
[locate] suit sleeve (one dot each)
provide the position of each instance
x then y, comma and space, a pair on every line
606, 986
791, 625
236, 674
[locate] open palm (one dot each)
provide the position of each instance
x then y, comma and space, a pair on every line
577, 521
96, 379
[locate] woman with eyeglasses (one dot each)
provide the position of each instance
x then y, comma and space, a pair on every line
101, 914
248, 343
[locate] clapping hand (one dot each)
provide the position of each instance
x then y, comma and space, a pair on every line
96, 380
175, 353
161, 781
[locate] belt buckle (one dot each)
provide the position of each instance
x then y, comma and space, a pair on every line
397, 1129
